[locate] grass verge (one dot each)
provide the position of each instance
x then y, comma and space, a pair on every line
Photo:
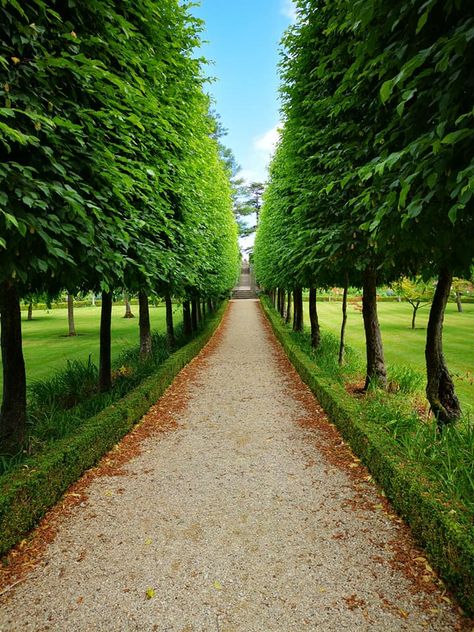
440, 521
27, 492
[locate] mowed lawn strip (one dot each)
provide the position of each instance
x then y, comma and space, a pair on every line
406, 347
47, 347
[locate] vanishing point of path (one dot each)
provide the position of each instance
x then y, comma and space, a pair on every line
234, 507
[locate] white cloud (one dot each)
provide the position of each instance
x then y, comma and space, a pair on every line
288, 9
267, 142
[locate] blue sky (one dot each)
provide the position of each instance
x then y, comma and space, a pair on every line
243, 38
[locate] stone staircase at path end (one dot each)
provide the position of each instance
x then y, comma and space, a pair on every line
246, 287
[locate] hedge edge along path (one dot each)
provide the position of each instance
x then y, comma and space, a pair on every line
26, 495
447, 539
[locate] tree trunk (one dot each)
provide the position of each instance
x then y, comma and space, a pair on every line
93, 299
13, 410
194, 314
413, 318
105, 362
210, 307
342, 342
70, 315
187, 320
198, 310
128, 309
313, 316
298, 309
169, 320
144, 325
376, 372
30, 311
440, 388
458, 302
288, 307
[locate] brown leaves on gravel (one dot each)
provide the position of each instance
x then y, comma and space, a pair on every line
406, 556
160, 419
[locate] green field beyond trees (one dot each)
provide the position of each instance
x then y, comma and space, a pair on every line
404, 346
47, 347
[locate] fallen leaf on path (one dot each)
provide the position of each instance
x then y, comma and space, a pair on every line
217, 585
150, 593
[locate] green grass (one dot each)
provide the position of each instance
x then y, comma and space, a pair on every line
404, 346
47, 348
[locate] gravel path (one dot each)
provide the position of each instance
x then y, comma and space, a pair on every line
250, 516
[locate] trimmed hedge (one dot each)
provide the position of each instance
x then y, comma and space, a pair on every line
26, 494
447, 537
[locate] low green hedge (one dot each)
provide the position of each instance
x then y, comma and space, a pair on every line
447, 537
26, 494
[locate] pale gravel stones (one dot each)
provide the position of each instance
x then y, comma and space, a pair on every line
227, 523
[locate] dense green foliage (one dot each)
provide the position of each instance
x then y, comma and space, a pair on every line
112, 176
374, 175
428, 478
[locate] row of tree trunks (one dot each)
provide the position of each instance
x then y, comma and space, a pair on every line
13, 410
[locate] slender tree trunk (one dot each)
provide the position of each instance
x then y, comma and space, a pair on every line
30, 311
440, 388
376, 372
187, 320
105, 362
128, 309
298, 309
194, 314
70, 315
169, 320
413, 317
313, 316
198, 310
210, 307
13, 410
458, 302
203, 309
93, 299
288, 307
342, 342
144, 325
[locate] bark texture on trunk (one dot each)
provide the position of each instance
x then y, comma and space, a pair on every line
298, 309
128, 308
187, 321
30, 311
288, 308
70, 315
13, 410
144, 325
169, 320
440, 388
376, 371
313, 316
342, 341
105, 364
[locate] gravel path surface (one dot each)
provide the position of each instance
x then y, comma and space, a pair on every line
245, 517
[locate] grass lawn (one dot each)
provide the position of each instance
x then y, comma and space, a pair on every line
404, 346
46, 346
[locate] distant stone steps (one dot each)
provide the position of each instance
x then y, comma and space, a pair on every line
243, 294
